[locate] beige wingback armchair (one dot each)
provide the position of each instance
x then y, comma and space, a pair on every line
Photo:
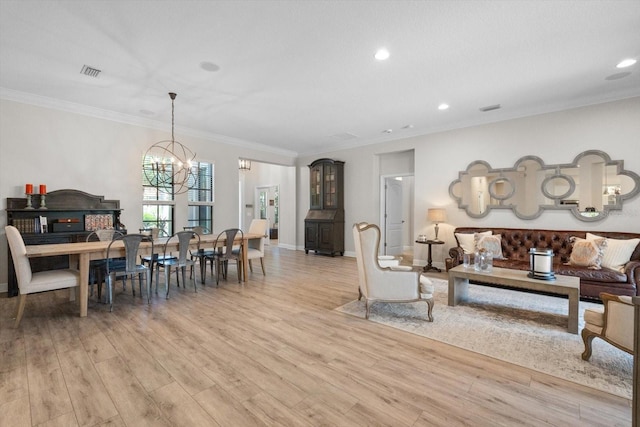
386, 284
613, 323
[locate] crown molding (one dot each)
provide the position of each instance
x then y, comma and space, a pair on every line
98, 113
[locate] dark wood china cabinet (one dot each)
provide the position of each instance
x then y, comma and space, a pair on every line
324, 224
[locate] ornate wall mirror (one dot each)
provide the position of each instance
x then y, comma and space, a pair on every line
589, 187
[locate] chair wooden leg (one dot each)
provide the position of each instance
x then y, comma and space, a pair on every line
429, 308
21, 303
587, 337
264, 273
368, 307
250, 266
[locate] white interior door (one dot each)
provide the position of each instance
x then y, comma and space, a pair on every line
393, 217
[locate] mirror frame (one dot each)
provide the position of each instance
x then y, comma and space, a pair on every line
457, 193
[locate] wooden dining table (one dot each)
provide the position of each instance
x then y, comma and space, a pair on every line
84, 252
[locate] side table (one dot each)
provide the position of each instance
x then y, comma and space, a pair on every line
429, 266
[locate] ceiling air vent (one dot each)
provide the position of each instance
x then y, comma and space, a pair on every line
90, 71
490, 108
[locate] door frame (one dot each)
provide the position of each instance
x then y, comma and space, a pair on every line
383, 224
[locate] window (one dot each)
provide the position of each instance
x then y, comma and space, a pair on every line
201, 197
158, 201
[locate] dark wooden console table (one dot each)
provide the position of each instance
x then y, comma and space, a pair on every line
66, 215
429, 265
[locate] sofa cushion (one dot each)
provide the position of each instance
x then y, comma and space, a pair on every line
491, 244
604, 275
587, 253
467, 241
617, 253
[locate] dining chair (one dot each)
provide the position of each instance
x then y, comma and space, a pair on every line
181, 262
98, 267
29, 282
200, 254
151, 259
255, 247
224, 253
130, 268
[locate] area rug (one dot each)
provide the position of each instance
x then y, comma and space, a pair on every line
525, 329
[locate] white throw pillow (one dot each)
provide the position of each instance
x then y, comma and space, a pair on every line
618, 251
467, 241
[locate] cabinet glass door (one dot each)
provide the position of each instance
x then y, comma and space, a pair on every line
316, 182
329, 186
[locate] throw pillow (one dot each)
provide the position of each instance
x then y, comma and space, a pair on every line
491, 244
467, 241
587, 253
618, 251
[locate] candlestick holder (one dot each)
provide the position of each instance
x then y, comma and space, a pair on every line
29, 205
43, 204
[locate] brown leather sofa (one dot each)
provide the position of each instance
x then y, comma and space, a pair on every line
516, 243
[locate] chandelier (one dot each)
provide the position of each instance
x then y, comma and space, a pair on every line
168, 164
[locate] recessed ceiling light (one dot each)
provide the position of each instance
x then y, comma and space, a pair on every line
443, 107
387, 131
626, 63
382, 54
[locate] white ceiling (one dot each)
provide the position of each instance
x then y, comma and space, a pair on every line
300, 76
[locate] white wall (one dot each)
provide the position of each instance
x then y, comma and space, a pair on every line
68, 150
555, 137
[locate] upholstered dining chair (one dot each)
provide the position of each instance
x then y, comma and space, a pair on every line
224, 253
386, 284
29, 282
255, 247
115, 268
612, 323
179, 263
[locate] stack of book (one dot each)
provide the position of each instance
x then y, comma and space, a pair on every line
38, 224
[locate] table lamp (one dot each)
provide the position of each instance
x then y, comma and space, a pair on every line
436, 215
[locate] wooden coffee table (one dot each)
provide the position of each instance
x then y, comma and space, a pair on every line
459, 277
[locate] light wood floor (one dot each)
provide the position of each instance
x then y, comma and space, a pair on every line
270, 352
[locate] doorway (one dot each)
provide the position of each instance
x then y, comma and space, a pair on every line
268, 207
396, 214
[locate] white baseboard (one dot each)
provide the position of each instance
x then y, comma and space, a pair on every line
4, 288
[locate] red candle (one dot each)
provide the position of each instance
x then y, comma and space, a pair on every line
43, 189
28, 189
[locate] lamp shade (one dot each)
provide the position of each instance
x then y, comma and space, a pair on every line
437, 215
